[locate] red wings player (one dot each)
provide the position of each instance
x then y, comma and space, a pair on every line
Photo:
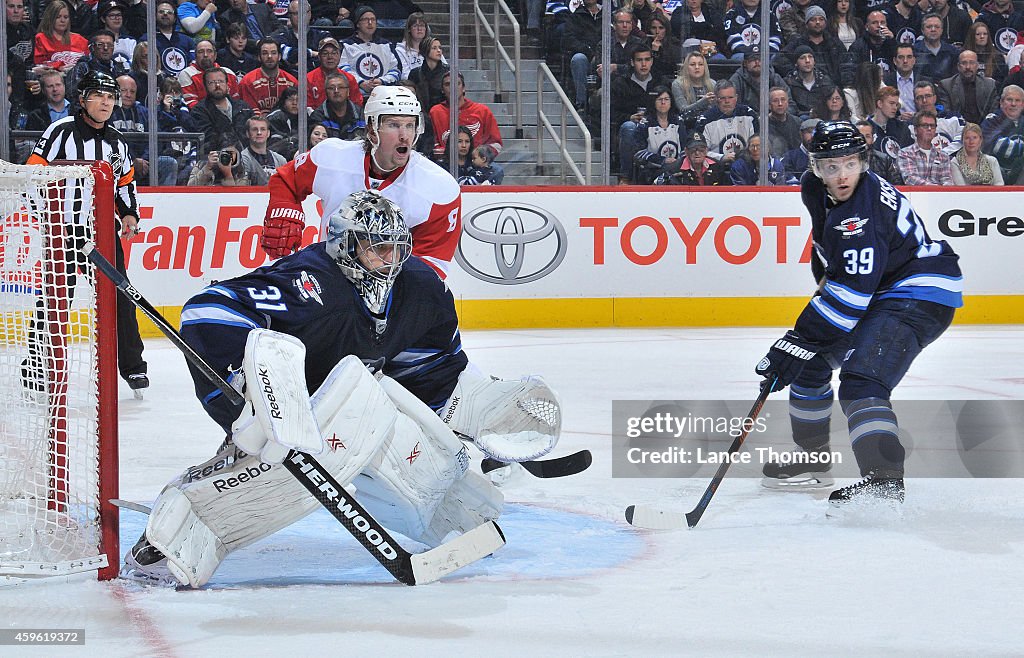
385, 161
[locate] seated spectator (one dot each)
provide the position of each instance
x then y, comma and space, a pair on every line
891, 133
843, 24
806, 83
338, 114
795, 161
198, 20
463, 142
56, 45
881, 163
482, 171
746, 169
950, 127
828, 51
131, 116
747, 79
921, 163
83, 17
955, 21
903, 17
582, 43
234, 54
56, 107
408, 49
972, 167
261, 88
792, 17
284, 124
329, 51
904, 76
102, 59
657, 140
1004, 21
693, 90
317, 134
191, 78
935, 57
701, 24
111, 15
20, 41
258, 161
876, 45
743, 30
624, 42
632, 99
783, 127
862, 96
1004, 134
368, 57
173, 117
664, 47
218, 116
140, 70
472, 114
288, 38
221, 167
134, 18
968, 94
728, 126
427, 78
695, 169
643, 11
991, 61
176, 50
257, 18
832, 106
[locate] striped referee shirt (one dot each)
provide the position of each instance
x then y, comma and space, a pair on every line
72, 138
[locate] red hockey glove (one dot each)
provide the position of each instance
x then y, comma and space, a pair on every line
282, 229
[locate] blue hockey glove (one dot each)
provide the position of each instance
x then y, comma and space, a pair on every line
785, 360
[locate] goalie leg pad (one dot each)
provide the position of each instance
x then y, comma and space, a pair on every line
234, 499
510, 420
278, 415
407, 482
470, 501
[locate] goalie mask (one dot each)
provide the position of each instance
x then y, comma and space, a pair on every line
369, 240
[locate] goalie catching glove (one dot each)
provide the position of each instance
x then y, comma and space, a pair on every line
282, 229
786, 360
509, 420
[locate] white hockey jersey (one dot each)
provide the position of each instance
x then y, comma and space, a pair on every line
429, 197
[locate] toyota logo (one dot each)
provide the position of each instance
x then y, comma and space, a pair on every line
511, 244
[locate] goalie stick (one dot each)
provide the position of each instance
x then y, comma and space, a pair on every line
406, 567
647, 517
556, 467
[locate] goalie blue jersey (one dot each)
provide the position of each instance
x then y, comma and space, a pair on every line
306, 296
872, 246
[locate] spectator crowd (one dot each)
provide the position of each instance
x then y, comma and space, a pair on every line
935, 85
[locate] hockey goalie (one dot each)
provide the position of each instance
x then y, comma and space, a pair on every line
315, 321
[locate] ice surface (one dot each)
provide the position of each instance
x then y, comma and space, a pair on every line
765, 573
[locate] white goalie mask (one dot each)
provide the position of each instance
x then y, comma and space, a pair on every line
369, 240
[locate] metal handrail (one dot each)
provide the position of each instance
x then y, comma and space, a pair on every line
479, 18
560, 139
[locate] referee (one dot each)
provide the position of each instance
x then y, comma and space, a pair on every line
86, 136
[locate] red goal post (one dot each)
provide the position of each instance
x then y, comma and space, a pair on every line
58, 373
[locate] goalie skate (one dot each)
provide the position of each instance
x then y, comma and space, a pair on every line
146, 565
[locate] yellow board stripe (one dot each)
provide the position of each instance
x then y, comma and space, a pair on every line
659, 312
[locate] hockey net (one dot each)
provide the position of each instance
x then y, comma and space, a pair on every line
58, 445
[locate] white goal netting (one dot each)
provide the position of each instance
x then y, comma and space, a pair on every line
49, 363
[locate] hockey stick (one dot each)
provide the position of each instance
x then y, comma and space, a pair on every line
646, 517
556, 467
406, 567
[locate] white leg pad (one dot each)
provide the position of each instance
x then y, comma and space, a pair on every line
234, 500
406, 485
